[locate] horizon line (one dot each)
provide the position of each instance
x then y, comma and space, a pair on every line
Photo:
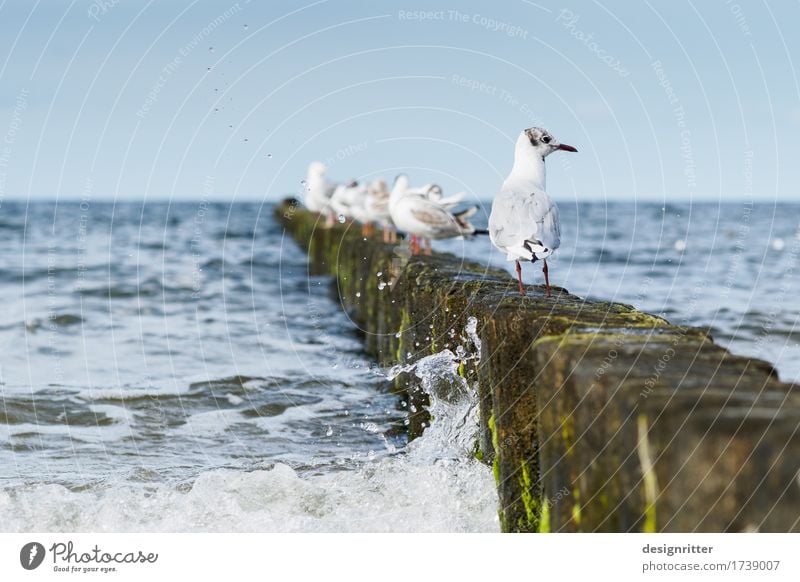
254, 198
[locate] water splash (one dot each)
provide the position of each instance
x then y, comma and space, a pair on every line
453, 403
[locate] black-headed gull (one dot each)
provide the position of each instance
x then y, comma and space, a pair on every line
524, 220
414, 212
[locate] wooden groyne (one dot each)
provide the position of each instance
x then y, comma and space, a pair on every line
594, 416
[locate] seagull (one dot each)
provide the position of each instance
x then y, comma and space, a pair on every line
318, 190
524, 220
347, 198
376, 207
414, 212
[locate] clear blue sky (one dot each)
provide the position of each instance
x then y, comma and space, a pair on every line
665, 100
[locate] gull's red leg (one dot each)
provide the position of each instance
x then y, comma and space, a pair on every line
519, 278
414, 245
546, 277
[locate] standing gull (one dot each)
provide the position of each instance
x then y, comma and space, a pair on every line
415, 213
318, 191
524, 219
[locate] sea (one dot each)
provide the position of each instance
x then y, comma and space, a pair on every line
171, 367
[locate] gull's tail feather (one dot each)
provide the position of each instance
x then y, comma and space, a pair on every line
466, 213
462, 218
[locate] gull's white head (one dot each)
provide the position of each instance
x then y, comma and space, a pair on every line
435, 192
400, 184
316, 169
539, 142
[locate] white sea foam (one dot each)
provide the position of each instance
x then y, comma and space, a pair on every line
210, 423
115, 431
391, 495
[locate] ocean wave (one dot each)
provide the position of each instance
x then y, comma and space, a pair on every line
391, 495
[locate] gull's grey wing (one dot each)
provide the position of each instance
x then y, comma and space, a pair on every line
433, 215
517, 218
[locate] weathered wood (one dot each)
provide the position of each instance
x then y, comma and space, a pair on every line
595, 416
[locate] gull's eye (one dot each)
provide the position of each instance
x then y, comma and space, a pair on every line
546, 138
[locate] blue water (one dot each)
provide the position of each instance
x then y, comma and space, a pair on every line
175, 368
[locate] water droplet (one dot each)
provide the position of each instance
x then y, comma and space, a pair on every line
302, 182
398, 334
358, 294
341, 219
379, 273
269, 156
329, 432
211, 49
381, 286
245, 26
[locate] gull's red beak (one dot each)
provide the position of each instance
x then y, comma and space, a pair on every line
566, 148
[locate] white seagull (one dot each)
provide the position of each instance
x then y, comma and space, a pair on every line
318, 191
414, 212
347, 199
524, 220
376, 206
